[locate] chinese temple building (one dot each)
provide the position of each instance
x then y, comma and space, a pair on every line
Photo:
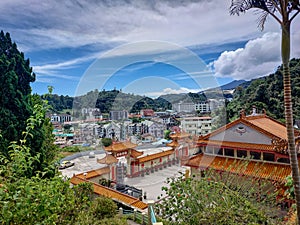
256, 137
182, 145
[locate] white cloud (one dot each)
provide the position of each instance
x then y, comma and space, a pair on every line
166, 91
258, 58
57, 24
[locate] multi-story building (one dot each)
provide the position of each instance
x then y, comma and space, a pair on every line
155, 129
61, 118
118, 115
183, 106
196, 125
202, 107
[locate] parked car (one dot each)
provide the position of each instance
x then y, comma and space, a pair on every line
65, 164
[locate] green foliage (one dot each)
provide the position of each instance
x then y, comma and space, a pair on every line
167, 134
215, 199
106, 141
290, 191
15, 78
267, 93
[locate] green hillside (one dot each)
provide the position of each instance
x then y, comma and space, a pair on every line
267, 93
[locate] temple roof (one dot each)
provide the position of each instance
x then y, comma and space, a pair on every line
262, 123
113, 194
146, 158
174, 143
179, 135
134, 153
266, 170
108, 159
94, 173
120, 146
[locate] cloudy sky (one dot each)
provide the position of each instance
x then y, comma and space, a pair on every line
122, 44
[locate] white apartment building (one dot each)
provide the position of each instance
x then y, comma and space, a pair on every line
196, 125
183, 107
203, 107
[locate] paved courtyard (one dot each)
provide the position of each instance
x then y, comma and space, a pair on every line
151, 184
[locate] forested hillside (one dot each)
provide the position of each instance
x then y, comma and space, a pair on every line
267, 93
117, 100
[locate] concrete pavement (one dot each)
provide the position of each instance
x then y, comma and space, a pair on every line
151, 184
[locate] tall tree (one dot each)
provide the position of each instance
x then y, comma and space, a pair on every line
18, 106
15, 78
284, 12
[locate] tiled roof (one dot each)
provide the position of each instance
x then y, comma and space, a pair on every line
147, 158
269, 125
179, 135
94, 173
113, 194
174, 143
239, 145
265, 170
120, 146
134, 153
108, 159
261, 123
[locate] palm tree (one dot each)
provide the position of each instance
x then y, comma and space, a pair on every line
283, 11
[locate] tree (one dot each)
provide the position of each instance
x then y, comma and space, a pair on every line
15, 78
284, 12
215, 200
106, 142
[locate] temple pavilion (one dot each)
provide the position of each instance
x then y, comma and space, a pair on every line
138, 162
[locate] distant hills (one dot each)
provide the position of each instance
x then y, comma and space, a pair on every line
265, 92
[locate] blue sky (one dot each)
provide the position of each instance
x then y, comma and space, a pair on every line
65, 40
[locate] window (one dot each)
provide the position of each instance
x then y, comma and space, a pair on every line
268, 156
284, 160
255, 155
242, 153
220, 151
229, 152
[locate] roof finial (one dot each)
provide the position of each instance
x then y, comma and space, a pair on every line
242, 113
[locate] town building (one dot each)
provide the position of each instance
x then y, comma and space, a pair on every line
183, 106
202, 107
146, 113
61, 118
118, 115
196, 125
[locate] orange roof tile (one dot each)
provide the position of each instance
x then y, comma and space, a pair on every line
155, 156
108, 159
94, 173
261, 123
269, 125
134, 153
179, 135
120, 146
265, 170
113, 194
174, 143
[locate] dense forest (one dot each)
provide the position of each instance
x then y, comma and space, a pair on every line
267, 93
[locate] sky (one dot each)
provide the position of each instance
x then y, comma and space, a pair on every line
145, 47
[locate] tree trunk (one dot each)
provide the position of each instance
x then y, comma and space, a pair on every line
285, 54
